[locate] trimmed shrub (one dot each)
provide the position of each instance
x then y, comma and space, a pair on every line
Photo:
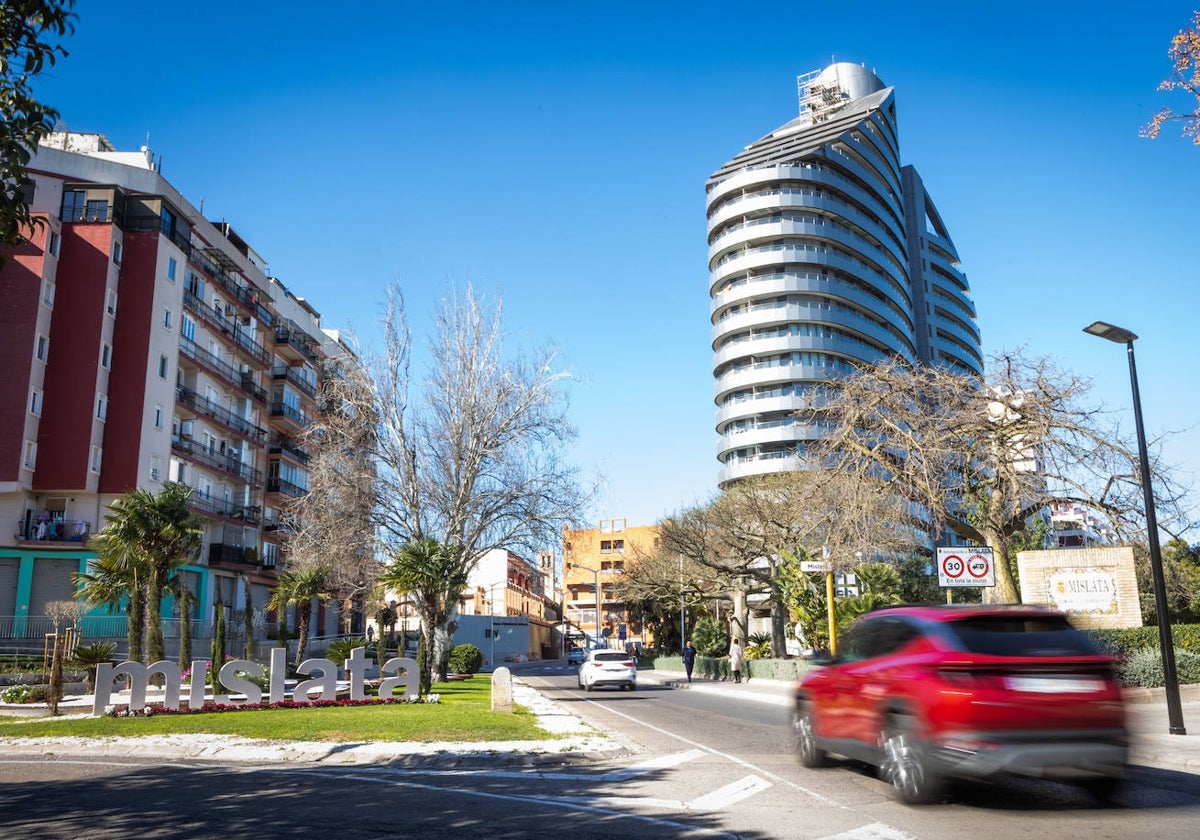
1125, 641
1144, 668
17, 694
465, 659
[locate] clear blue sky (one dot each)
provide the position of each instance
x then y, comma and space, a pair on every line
556, 153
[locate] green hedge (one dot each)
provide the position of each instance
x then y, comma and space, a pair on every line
1126, 641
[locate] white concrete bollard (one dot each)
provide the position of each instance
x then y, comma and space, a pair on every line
502, 690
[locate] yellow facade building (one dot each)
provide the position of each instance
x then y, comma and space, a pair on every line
597, 558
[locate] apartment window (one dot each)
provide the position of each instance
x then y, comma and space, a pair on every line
162, 367
48, 293
178, 470
105, 356
53, 245
612, 546
187, 328
116, 253
30, 454
43, 348
102, 408
35, 403
168, 317
172, 267
155, 468
158, 416
111, 306
97, 458
72, 206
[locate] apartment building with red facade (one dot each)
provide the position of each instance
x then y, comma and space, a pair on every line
143, 344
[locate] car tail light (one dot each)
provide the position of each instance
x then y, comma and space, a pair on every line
629, 664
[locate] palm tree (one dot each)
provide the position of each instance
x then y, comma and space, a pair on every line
113, 581
433, 575
298, 588
151, 534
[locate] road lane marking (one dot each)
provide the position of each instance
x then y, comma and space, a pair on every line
871, 831
731, 794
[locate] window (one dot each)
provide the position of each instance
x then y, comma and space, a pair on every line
168, 317
48, 293
102, 408
96, 210
178, 470
116, 253
35, 403
111, 307
72, 206
172, 266
43, 348
53, 245
162, 367
155, 468
97, 458
187, 328
158, 416
105, 356
30, 454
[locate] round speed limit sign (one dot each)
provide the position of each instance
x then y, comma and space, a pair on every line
965, 566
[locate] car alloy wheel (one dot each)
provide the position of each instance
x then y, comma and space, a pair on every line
807, 750
906, 763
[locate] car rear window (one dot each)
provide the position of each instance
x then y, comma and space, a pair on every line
1021, 636
615, 656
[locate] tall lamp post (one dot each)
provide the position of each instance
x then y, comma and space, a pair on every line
1170, 677
492, 610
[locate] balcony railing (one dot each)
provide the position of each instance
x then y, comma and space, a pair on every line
282, 444
236, 555
226, 371
279, 485
296, 339
248, 344
203, 405
213, 506
226, 463
293, 376
282, 409
50, 527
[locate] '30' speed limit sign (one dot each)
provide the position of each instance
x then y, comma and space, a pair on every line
966, 566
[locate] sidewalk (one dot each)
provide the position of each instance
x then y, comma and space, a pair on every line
1152, 744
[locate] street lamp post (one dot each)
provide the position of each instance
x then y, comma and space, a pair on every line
596, 583
1170, 677
492, 611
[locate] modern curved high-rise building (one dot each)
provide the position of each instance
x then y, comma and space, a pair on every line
824, 254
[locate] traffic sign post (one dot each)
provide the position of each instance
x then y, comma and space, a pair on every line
966, 566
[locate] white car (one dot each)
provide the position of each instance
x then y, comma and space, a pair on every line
608, 667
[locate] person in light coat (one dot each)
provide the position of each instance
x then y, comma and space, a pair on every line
735, 659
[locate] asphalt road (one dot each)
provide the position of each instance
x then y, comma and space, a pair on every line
696, 764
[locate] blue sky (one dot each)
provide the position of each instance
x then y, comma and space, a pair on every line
556, 154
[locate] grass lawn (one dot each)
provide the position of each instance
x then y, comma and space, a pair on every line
464, 714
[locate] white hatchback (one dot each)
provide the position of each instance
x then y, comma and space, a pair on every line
608, 667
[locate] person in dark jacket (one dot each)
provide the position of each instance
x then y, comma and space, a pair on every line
689, 658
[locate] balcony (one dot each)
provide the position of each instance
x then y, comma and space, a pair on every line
293, 376
212, 506
279, 485
221, 368
50, 528
220, 554
224, 462
295, 341
294, 415
284, 445
202, 405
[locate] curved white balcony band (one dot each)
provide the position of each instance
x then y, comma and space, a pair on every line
788, 313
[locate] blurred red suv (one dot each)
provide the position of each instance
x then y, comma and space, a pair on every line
929, 693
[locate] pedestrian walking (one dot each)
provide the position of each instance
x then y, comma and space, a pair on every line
689, 658
735, 659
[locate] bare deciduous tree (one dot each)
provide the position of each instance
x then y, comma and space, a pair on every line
471, 456
981, 458
332, 526
1184, 53
750, 530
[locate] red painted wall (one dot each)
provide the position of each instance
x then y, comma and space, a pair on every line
131, 348
20, 296
64, 437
